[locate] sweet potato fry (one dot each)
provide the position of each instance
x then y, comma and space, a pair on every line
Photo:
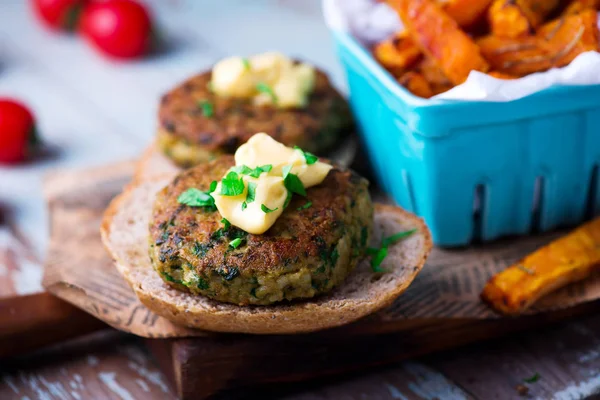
569, 259
440, 38
577, 6
397, 53
516, 18
555, 45
432, 73
501, 75
416, 84
466, 12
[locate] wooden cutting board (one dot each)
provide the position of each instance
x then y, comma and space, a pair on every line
439, 311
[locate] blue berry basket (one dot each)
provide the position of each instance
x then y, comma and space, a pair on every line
478, 170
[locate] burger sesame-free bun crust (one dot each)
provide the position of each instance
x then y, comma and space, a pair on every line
125, 235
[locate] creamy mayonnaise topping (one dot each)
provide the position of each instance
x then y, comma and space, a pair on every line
268, 79
261, 164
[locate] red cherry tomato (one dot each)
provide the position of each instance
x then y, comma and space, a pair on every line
59, 14
17, 131
118, 28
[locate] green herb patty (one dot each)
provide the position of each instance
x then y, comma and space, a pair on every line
308, 251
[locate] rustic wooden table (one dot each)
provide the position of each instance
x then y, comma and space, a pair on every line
92, 111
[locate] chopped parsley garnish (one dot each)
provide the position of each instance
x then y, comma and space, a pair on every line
251, 194
235, 243
379, 254
196, 198
267, 210
292, 182
288, 198
232, 185
246, 63
241, 169
212, 187
264, 88
207, 107
305, 206
226, 223
255, 173
309, 157
244, 205
396, 237
532, 379
378, 258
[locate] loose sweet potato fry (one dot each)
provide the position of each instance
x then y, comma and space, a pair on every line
578, 6
555, 45
416, 84
397, 53
466, 12
516, 18
501, 75
440, 38
569, 259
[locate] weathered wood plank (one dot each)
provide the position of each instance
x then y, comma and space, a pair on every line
107, 366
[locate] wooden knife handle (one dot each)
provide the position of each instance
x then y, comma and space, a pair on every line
30, 322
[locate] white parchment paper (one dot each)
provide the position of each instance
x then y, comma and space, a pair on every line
370, 21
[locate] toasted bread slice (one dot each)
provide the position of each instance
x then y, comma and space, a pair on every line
154, 164
125, 235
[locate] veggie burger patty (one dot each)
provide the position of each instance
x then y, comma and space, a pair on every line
311, 248
195, 125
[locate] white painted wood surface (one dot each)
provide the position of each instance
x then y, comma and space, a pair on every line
91, 110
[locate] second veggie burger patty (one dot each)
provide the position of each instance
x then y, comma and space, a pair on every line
310, 249
195, 125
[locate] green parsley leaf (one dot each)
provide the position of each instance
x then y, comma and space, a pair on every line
267, 210
244, 206
372, 251
396, 237
378, 258
196, 198
251, 194
235, 243
246, 63
305, 206
255, 173
232, 185
288, 198
226, 223
241, 169
264, 88
207, 107
292, 182
533, 379
213, 187
309, 157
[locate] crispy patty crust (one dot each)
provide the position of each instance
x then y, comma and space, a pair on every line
305, 253
190, 134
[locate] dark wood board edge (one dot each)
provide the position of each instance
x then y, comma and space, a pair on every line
201, 367
33, 321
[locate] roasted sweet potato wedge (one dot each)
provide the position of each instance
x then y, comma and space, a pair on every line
555, 45
501, 75
569, 259
433, 74
439, 37
397, 53
578, 6
466, 13
516, 18
416, 84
